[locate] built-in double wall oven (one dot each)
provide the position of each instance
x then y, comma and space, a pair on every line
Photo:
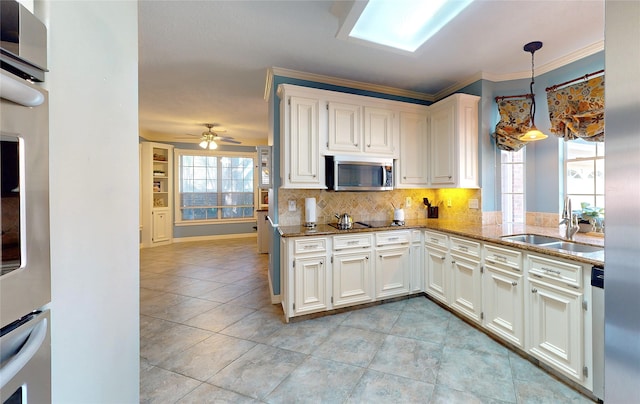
25, 278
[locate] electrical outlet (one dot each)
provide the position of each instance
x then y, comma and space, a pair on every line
449, 203
473, 204
407, 202
292, 205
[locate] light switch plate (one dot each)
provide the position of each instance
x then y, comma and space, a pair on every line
292, 205
407, 202
473, 204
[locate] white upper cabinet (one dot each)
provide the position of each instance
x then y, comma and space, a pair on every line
345, 127
301, 122
454, 142
414, 148
378, 131
359, 125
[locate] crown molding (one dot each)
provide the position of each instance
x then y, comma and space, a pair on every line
555, 64
319, 78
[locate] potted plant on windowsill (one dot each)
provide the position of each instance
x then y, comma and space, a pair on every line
590, 218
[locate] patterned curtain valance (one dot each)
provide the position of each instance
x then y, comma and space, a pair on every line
515, 121
577, 111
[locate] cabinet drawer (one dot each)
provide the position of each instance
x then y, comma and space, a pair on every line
503, 256
570, 274
436, 240
465, 247
393, 237
308, 245
352, 241
416, 236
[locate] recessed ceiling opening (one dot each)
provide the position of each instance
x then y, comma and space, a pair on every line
402, 25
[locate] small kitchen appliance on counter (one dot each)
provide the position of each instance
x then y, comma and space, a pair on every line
310, 212
398, 217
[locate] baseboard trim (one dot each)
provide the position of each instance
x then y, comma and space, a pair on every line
215, 237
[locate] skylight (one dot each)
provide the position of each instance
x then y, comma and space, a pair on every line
404, 24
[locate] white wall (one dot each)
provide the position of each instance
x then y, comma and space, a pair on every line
93, 85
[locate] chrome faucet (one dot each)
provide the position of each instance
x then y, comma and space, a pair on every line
569, 220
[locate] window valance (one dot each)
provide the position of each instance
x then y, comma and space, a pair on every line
577, 110
515, 121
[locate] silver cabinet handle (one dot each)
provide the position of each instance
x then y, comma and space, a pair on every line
553, 271
500, 258
463, 248
367, 257
514, 283
353, 242
534, 290
435, 240
368, 145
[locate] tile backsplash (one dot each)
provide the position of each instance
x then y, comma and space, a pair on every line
367, 206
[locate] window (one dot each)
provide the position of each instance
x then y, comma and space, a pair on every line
584, 172
214, 186
512, 174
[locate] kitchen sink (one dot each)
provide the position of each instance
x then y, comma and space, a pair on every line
574, 247
555, 243
532, 239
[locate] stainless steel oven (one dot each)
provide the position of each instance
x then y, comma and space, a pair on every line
25, 277
25, 280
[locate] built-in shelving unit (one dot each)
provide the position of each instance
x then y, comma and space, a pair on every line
156, 194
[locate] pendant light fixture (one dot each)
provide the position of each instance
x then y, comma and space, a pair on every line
533, 133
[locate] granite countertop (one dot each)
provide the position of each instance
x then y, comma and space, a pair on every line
489, 233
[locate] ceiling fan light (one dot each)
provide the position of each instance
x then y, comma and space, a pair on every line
204, 144
212, 145
532, 135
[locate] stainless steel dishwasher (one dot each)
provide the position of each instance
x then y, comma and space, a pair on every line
597, 294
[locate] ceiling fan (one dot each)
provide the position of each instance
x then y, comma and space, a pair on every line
209, 138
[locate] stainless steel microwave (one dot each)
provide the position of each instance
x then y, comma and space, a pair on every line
354, 173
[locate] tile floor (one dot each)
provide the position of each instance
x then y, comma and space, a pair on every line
209, 334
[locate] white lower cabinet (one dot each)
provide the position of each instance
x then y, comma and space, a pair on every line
416, 267
161, 225
466, 287
310, 278
352, 270
466, 278
503, 300
437, 266
392, 264
304, 275
556, 316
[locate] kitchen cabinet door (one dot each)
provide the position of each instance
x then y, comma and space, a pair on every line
378, 131
161, 225
414, 148
352, 278
310, 284
454, 142
392, 271
466, 287
417, 267
437, 273
503, 304
345, 127
304, 169
555, 324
